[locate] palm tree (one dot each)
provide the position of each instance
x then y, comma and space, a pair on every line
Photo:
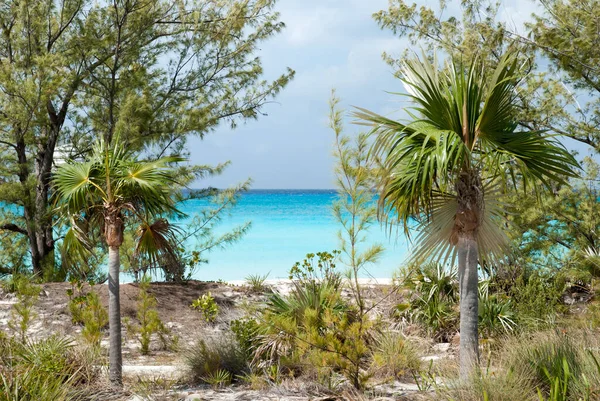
102, 193
445, 167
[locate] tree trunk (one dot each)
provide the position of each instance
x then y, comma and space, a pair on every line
469, 305
469, 192
114, 314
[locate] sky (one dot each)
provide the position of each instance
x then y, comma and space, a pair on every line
330, 44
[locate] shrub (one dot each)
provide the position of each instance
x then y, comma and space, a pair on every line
149, 322
256, 282
394, 356
246, 332
87, 310
548, 358
207, 305
22, 312
313, 330
434, 304
42, 370
537, 298
207, 357
496, 315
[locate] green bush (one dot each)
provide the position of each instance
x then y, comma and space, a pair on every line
246, 332
256, 282
435, 301
537, 299
22, 312
87, 310
45, 370
149, 322
313, 330
207, 358
496, 316
394, 356
548, 358
207, 305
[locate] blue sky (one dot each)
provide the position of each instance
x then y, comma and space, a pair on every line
330, 44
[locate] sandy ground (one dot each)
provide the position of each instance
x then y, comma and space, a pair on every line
52, 317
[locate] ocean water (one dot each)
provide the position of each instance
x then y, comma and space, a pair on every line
286, 225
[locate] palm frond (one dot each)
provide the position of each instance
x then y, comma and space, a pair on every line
157, 241
434, 239
76, 183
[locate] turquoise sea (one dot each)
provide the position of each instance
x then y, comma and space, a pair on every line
286, 225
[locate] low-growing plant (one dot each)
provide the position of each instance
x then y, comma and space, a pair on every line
313, 330
149, 322
394, 356
218, 378
435, 301
555, 360
317, 268
22, 312
208, 356
256, 282
87, 310
537, 299
207, 305
246, 332
496, 315
42, 370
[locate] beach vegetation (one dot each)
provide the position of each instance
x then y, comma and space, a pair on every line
87, 310
257, 282
102, 72
102, 193
149, 322
46, 369
207, 306
445, 169
22, 312
216, 360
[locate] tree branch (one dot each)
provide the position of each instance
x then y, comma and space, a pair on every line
14, 228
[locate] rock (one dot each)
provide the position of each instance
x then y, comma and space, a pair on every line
441, 347
194, 397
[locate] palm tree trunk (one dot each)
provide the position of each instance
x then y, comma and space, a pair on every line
466, 226
469, 305
114, 318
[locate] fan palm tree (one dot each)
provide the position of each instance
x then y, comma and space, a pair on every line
446, 165
102, 193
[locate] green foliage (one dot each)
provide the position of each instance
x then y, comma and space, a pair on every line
256, 282
246, 332
564, 32
314, 326
207, 305
22, 312
149, 322
208, 359
394, 356
45, 370
435, 297
355, 209
87, 310
496, 316
127, 92
563, 366
317, 269
218, 378
537, 298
